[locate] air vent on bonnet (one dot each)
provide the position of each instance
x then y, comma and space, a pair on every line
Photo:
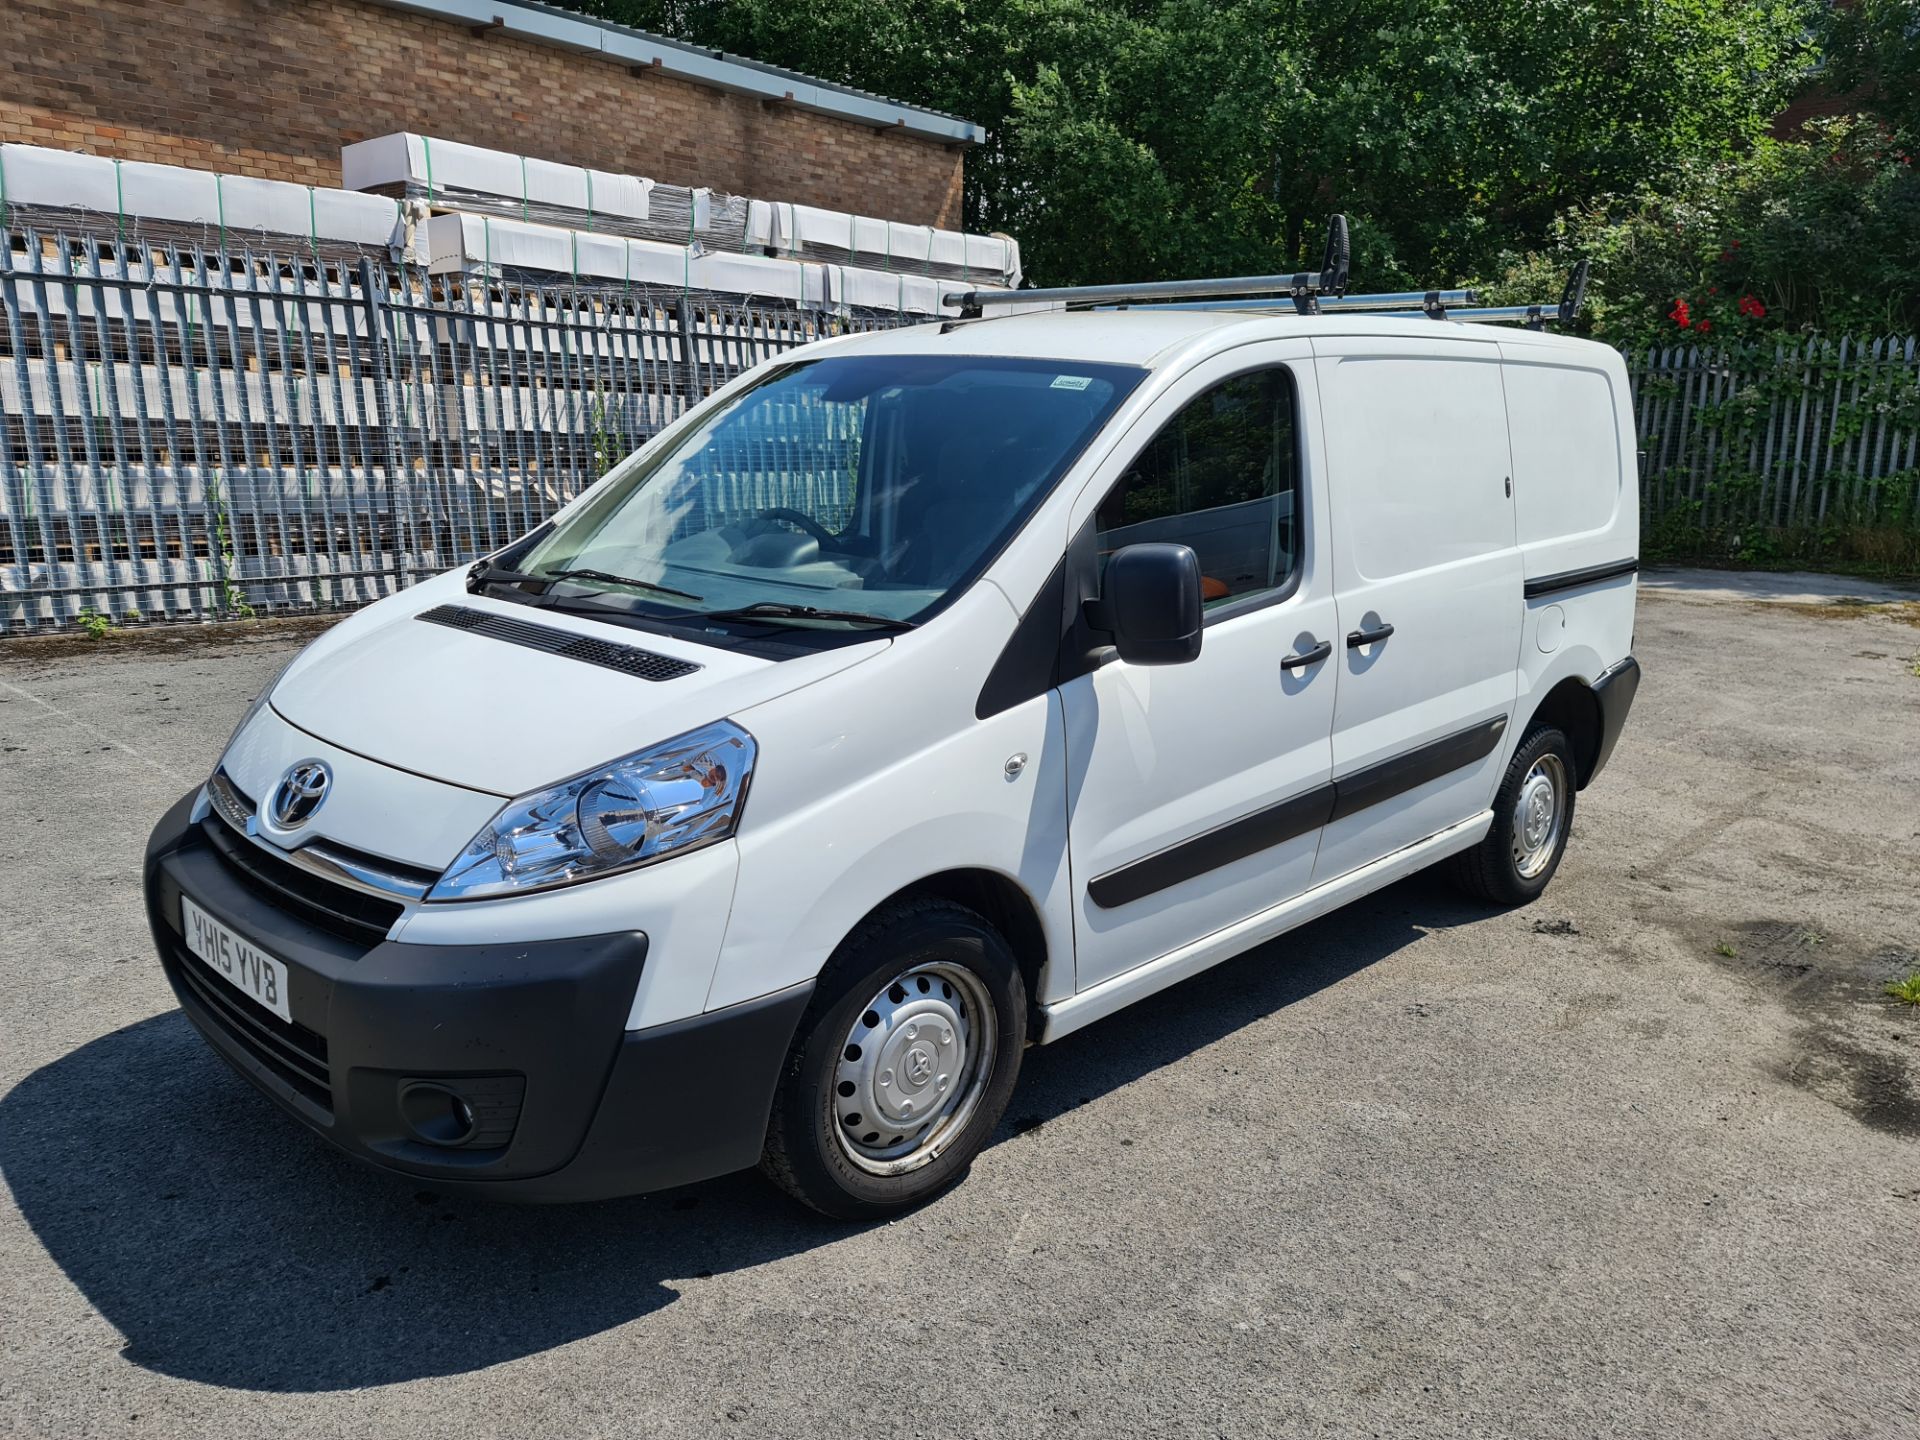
641, 664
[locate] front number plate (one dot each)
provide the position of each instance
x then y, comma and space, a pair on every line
242, 964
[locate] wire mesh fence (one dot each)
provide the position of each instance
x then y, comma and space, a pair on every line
189, 432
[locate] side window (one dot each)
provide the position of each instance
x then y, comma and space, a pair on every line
1223, 478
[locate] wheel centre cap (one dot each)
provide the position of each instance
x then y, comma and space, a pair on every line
917, 1064
1534, 817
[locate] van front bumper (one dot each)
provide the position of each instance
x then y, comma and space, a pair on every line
556, 1100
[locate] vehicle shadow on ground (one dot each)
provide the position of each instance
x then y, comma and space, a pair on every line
234, 1249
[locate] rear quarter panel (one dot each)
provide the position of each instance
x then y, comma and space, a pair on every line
1577, 504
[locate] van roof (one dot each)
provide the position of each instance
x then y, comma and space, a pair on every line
1152, 335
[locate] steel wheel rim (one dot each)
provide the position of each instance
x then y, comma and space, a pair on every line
1539, 815
912, 1068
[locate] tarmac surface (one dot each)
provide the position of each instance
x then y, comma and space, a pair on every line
1641, 1159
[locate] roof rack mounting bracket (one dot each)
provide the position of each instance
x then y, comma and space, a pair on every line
1575, 295
1333, 267
1332, 279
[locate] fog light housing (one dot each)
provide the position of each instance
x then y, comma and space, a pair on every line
436, 1115
476, 1112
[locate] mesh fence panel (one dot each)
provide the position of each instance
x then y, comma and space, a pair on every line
188, 432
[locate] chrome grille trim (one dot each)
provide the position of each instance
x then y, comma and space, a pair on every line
315, 856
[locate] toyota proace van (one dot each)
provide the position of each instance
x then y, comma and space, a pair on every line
917, 698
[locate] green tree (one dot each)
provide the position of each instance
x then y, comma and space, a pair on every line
1874, 47
1812, 233
1141, 138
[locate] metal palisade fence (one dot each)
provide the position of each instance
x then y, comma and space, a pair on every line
195, 431
189, 432
1816, 435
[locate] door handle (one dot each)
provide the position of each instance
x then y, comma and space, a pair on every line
1357, 638
1309, 656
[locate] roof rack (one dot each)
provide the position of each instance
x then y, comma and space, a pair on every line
1310, 294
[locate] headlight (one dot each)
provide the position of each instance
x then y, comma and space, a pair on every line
255, 705
675, 796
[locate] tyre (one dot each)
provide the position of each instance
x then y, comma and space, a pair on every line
1532, 818
902, 1064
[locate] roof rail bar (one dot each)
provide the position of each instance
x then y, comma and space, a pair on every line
1424, 300
1303, 287
1311, 294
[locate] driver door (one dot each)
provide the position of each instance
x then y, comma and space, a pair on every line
1197, 792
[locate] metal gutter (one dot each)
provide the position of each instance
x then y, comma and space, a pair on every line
642, 51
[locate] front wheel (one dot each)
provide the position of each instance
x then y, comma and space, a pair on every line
903, 1064
1532, 818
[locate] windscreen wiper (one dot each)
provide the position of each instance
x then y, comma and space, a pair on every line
776, 610
485, 574
605, 578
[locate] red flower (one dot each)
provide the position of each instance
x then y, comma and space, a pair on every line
1736, 244
1705, 325
1681, 315
1750, 306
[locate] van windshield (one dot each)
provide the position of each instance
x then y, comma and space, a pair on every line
837, 495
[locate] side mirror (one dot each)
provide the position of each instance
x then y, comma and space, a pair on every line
1150, 603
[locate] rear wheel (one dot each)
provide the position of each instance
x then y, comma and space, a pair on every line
1532, 818
903, 1064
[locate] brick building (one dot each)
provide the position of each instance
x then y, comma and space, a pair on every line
274, 88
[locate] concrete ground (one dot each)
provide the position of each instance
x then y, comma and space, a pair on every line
1641, 1159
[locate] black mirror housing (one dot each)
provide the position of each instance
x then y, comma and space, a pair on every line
1150, 603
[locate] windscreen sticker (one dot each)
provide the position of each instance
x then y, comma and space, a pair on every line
1072, 382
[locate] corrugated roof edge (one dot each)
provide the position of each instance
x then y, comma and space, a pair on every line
622, 44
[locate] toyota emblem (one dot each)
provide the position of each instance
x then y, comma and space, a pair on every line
301, 792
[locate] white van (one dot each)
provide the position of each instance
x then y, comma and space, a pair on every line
918, 697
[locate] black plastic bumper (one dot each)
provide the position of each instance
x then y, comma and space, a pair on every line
564, 1103
1615, 691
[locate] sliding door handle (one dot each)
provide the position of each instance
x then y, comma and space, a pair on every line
1310, 656
1357, 638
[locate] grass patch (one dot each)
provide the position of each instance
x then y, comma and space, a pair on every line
1886, 551
1906, 991
164, 639
1728, 949
1907, 612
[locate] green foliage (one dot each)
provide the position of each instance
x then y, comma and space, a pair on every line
1147, 138
97, 624
1907, 991
609, 445
1812, 234
1874, 50
231, 599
